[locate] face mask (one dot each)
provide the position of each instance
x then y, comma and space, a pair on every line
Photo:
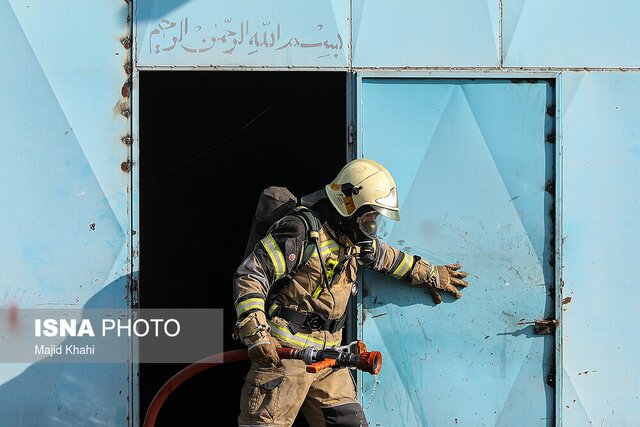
367, 225
365, 229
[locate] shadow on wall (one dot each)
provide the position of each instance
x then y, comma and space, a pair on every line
71, 394
155, 11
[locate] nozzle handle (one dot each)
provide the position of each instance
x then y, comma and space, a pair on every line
318, 366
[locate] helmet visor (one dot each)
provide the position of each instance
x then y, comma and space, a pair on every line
388, 205
368, 225
389, 213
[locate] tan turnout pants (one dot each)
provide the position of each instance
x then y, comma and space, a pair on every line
273, 396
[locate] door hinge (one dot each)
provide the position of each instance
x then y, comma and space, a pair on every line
351, 138
543, 326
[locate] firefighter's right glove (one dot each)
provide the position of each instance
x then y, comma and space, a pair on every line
253, 331
438, 278
263, 352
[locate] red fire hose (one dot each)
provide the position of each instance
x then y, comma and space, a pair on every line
354, 355
183, 375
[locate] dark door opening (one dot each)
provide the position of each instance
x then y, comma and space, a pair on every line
220, 138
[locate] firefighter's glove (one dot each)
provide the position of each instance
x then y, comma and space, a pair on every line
438, 278
253, 331
263, 351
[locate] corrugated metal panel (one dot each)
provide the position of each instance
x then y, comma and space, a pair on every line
278, 33
601, 208
65, 221
433, 33
472, 168
571, 33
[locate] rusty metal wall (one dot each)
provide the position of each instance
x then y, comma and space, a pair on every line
600, 211
69, 206
232, 34
359, 34
570, 33
434, 33
65, 195
587, 48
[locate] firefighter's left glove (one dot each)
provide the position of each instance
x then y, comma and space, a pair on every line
253, 331
438, 278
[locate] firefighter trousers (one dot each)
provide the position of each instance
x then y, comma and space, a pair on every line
273, 396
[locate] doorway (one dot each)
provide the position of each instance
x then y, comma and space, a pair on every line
218, 139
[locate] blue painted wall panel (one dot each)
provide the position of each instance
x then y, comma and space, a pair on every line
471, 165
601, 207
242, 33
65, 200
571, 33
433, 33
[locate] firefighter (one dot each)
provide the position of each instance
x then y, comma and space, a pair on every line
308, 308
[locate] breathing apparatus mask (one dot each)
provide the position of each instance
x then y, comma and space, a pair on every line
364, 230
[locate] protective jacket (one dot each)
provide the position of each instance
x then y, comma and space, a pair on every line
265, 290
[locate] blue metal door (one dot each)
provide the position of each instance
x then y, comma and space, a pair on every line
474, 173
65, 198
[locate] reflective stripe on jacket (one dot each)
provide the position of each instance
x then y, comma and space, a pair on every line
280, 251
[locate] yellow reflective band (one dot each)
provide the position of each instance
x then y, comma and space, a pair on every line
327, 247
303, 340
249, 304
405, 265
272, 309
329, 242
317, 291
409, 265
330, 267
276, 256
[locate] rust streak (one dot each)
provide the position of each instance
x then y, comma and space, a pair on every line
126, 42
13, 316
125, 166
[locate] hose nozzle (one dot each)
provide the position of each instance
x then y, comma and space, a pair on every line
371, 362
353, 355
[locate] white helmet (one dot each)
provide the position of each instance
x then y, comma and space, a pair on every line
363, 182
